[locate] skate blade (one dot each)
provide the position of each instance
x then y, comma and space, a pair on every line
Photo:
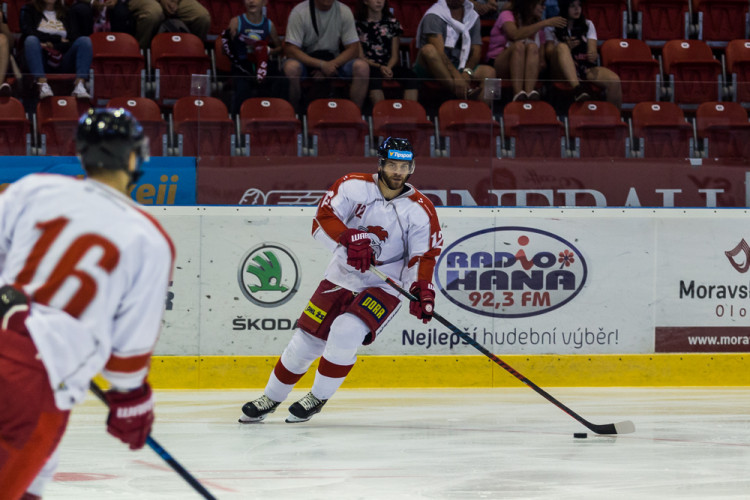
292, 419
244, 419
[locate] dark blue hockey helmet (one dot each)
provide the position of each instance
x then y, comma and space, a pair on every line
394, 148
106, 137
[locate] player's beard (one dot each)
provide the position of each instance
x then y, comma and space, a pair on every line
392, 183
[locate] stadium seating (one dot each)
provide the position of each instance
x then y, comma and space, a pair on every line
118, 67
661, 131
660, 20
270, 127
533, 130
407, 119
723, 130
597, 131
467, 128
174, 58
57, 122
202, 127
720, 21
738, 70
693, 73
409, 13
148, 113
336, 128
278, 12
222, 11
610, 17
15, 128
636, 67
221, 60
12, 13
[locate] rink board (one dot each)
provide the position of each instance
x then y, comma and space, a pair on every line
230, 372
605, 290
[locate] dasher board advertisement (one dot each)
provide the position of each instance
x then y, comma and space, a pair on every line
519, 281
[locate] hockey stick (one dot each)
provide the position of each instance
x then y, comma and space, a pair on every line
164, 454
624, 427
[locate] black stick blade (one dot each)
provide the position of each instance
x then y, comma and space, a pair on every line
624, 427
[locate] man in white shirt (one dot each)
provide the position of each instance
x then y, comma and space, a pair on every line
314, 32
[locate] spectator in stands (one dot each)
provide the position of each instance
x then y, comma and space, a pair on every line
379, 38
516, 42
52, 43
149, 16
91, 15
450, 48
249, 41
314, 32
572, 55
6, 42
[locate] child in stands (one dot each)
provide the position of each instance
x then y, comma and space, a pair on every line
379, 38
249, 41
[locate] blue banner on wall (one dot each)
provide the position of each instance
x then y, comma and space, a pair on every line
165, 180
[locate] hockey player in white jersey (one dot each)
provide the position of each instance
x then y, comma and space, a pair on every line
364, 219
84, 274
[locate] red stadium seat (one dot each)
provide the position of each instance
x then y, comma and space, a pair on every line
278, 12
720, 21
468, 129
723, 129
610, 17
57, 122
270, 127
409, 13
738, 70
223, 63
203, 128
174, 58
533, 130
336, 128
597, 130
118, 67
660, 20
15, 128
693, 72
407, 119
148, 113
661, 130
636, 67
222, 11
12, 12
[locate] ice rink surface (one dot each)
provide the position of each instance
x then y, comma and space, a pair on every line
690, 443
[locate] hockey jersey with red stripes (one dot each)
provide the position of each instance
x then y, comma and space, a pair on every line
96, 268
405, 232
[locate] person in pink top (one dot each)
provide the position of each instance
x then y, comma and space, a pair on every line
515, 45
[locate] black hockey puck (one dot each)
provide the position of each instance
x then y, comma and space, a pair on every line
581, 435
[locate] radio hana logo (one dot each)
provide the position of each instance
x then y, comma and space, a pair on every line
511, 272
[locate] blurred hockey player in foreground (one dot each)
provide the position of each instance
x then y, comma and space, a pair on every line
364, 219
84, 274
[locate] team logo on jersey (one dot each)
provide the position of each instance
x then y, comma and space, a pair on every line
511, 272
377, 236
269, 275
373, 306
